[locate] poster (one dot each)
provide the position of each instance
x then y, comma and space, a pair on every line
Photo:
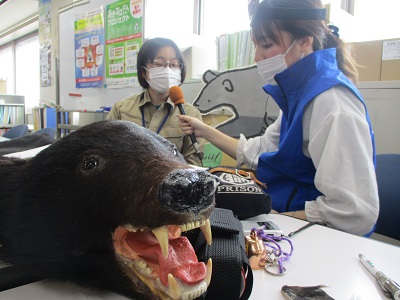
89, 49
44, 21
124, 37
45, 42
45, 64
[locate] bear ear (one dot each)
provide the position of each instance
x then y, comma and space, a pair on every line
209, 75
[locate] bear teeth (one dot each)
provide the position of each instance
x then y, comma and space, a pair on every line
204, 226
206, 229
176, 291
130, 228
209, 272
161, 233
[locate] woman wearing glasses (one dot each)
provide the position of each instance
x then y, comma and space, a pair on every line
317, 158
160, 66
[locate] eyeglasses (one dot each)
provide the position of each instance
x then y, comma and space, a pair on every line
175, 64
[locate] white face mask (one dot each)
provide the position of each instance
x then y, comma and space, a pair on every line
161, 79
269, 67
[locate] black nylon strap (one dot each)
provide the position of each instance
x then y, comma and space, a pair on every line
293, 13
271, 13
228, 256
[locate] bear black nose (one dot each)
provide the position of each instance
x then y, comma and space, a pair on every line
187, 190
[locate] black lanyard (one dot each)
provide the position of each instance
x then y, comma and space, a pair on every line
162, 123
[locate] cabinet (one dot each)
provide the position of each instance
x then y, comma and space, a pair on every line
12, 111
68, 120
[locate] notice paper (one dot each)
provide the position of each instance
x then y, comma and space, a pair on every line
391, 50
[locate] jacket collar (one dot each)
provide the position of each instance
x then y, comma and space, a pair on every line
292, 81
305, 69
145, 98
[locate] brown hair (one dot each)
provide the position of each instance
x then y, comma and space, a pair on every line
148, 52
318, 29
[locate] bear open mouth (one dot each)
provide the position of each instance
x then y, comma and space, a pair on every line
164, 260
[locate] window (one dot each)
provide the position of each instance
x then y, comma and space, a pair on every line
27, 71
173, 19
347, 6
19, 61
7, 68
179, 19
224, 16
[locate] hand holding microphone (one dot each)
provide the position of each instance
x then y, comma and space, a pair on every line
176, 96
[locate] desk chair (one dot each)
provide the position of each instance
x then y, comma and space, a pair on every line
48, 131
16, 131
388, 174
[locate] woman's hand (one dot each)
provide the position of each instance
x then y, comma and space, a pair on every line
220, 140
191, 125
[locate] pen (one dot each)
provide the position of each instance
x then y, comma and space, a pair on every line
388, 285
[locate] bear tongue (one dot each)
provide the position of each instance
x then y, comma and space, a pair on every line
182, 261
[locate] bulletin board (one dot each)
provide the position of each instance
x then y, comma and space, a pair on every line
72, 98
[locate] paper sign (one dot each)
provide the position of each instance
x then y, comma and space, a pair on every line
212, 156
391, 50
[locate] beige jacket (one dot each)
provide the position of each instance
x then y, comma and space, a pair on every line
130, 109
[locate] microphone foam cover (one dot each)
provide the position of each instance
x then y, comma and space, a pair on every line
176, 94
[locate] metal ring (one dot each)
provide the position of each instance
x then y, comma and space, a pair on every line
247, 176
268, 266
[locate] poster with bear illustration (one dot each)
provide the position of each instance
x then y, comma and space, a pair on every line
89, 49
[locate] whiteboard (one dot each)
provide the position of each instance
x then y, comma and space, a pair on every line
91, 98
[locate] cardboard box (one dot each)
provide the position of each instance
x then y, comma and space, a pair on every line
390, 69
368, 56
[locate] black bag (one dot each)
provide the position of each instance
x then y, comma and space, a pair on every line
232, 277
241, 192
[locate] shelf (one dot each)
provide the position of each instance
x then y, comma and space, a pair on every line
12, 110
68, 120
7, 126
69, 127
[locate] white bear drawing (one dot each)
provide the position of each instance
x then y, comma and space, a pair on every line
239, 91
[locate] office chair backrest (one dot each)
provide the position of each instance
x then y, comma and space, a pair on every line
48, 131
16, 131
388, 178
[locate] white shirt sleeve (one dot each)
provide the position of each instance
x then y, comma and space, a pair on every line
248, 151
339, 145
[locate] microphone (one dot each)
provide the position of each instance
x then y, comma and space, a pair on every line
176, 96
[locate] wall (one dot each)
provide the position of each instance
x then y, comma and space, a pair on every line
51, 91
383, 103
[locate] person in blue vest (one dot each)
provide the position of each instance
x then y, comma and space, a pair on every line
317, 159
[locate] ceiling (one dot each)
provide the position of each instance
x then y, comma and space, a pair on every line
12, 13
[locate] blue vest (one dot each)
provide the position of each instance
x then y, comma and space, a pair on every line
288, 173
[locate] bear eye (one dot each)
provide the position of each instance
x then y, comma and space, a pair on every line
90, 163
227, 83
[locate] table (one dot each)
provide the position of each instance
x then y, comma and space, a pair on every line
321, 256
330, 257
